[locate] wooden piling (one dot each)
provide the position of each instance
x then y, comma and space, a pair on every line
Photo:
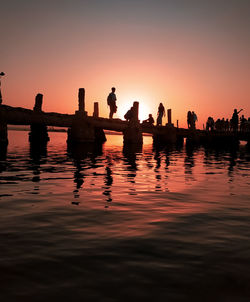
136, 111
169, 112
38, 130
96, 109
3, 133
38, 102
81, 100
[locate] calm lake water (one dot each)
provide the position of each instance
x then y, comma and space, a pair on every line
109, 224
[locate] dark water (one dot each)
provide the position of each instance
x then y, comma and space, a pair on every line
112, 225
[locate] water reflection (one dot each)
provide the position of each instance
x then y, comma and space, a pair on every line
82, 150
38, 155
130, 154
3, 151
108, 181
80, 153
189, 163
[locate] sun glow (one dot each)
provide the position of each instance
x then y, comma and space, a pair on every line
124, 106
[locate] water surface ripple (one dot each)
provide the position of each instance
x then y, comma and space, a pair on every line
112, 224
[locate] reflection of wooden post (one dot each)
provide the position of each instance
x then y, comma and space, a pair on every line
169, 117
96, 110
1, 100
81, 100
136, 111
3, 134
38, 102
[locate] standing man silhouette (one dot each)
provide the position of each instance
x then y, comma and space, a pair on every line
111, 100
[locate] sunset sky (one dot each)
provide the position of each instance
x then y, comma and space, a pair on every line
187, 54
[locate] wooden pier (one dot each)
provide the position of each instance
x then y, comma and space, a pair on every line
83, 128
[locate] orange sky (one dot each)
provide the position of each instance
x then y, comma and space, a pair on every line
189, 57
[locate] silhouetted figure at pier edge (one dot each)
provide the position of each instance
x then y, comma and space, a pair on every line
227, 125
111, 101
243, 123
129, 114
194, 120
235, 120
189, 119
161, 113
210, 124
150, 121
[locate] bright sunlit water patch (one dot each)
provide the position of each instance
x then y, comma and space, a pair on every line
112, 223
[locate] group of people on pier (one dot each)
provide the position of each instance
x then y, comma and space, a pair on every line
191, 119
235, 124
130, 114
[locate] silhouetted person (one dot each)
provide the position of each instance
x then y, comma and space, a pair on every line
210, 124
194, 120
161, 113
189, 119
111, 100
129, 114
218, 125
227, 125
248, 126
235, 120
150, 121
243, 123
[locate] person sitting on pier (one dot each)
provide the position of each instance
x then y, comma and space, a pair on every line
235, 120
150, 121
129, 115
161, 113
111, 100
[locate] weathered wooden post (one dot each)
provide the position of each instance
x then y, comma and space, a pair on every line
100, 136
3, 132
81, 131
38, 103
81, 100
177, 124
96, 109
136, 111
166, 134
169, 116
133, 133
38, 130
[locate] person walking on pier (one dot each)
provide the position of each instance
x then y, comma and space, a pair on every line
161, 113
111, 101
